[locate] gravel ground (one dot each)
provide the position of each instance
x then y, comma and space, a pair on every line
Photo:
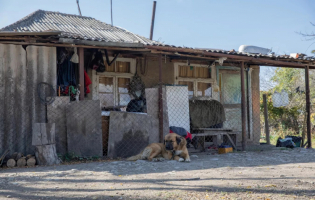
276, 174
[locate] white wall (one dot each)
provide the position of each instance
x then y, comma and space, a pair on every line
178, 106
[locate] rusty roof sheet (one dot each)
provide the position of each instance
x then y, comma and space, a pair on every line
76, 27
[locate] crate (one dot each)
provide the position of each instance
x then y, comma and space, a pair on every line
225, 149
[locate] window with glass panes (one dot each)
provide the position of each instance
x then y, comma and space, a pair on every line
113, 86
197, 78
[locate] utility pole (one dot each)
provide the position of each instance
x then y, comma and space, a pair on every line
79, 7
152, 21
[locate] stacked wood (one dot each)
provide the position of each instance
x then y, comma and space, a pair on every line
19, 160
11, 163
2, 158
31, 161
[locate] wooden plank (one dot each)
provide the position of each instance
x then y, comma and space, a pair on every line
233, 144
308, 107
212, 134
43, 134
243, 103
211, 129
71, 45
98, 43
48, 133
81, 72
266, 118
36, 135
249, 59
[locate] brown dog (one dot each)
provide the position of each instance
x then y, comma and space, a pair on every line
177, 145
153, 152
174, 147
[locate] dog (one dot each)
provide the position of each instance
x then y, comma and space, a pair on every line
153, 152
178, 146
174, 147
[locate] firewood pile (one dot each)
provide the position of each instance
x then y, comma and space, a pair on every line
17, 160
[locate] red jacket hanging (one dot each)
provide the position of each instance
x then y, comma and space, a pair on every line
87, 82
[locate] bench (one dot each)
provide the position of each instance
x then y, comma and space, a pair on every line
218, 134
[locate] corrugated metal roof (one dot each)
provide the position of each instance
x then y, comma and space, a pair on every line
237, 53
76, 27
88, 28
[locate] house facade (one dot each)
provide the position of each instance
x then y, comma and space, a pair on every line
96, 72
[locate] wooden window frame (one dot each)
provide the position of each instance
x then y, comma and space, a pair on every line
115, 76
195, 81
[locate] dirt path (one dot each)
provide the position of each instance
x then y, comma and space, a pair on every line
278, 174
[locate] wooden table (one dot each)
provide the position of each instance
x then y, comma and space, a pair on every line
218, 134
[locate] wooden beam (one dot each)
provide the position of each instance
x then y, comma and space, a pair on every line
230, 139
184, 55
161, 112
81, 73
249, 59
308, 107
72, 45
99, 43
266, 119
243, 105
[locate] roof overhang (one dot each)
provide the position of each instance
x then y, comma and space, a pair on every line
100, 43
12, 33
252, 60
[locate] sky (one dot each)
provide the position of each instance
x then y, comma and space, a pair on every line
224, 24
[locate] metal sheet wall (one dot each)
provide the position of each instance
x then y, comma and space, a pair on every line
20, 72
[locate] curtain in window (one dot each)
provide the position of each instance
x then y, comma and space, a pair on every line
202, 72
185, 71
108, 68
122, 67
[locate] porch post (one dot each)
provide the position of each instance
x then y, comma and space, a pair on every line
243, 106
81, 72
266, 119
160, 100
308, 107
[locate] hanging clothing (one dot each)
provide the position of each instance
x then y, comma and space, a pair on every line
180, 131
88, 82
67, 73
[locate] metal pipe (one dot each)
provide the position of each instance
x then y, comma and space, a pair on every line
160, 100
243, 106
308, 108
152, 21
